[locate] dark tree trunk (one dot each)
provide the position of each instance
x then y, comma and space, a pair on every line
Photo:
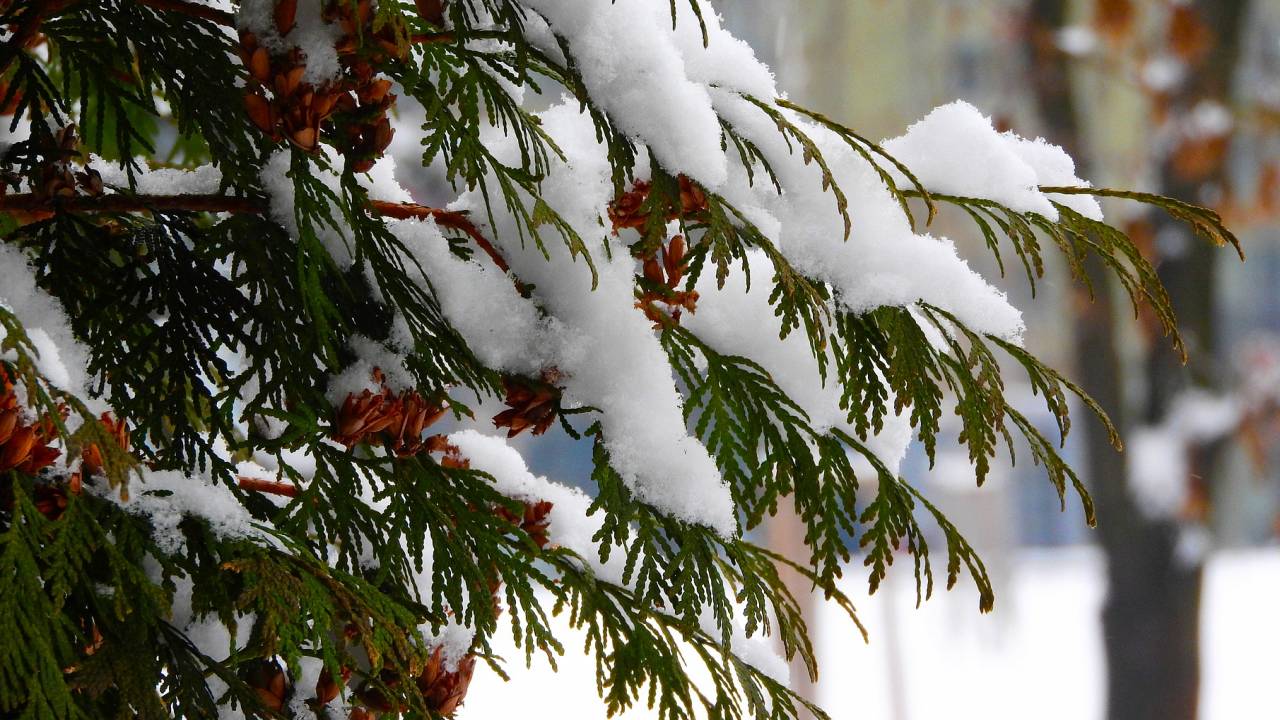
1151, 616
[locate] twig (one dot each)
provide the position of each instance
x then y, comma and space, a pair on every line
452, 219
269, 487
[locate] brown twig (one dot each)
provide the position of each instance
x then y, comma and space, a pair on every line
452, 219
429, 38
269, 487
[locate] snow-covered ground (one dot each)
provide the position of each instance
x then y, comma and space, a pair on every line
1039, 655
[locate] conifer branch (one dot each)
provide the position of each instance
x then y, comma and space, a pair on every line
30, 202
204, 12
28, 28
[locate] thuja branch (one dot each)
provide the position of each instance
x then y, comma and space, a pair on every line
205, 12
29, 202
28, 28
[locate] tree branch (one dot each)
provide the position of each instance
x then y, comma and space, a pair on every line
120, 203
204, 12
131, 203
27, 29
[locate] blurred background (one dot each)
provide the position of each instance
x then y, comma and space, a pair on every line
1170, 609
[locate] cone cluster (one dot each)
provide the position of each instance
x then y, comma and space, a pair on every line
532, 404
351, 111
386, 418
628, 209
24, 446
663, 273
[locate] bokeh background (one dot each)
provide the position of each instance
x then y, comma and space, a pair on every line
1171, 608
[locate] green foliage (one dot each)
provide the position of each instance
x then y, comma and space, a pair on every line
205, 328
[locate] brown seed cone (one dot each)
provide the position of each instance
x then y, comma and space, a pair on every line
653, 272
259, 65
8, 423
431, 10
532, 404
328, 687
692, 199
260, 112
18, 449
10, 107
624, 211
286, 12
50, 499
268, 679
673, 260
375, 697
91, 456
443, 690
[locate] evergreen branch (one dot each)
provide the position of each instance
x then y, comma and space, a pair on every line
1205, 221
866, 149
128, 203
28, 27
122, 203
810, 153
204, 12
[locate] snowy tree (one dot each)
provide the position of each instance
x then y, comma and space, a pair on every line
258, 403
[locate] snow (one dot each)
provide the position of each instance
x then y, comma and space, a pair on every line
165, 497
282, 208
736, 320
628, 60
1077, 40
725, 61
506, 331
358, 376
61, 359
202, 180
1157, 456
1163, 73
454, 641
956, 150
1201, 416
883, 262
1209, 119
665, 88
569, 526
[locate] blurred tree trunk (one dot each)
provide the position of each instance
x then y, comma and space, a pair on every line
1151, 617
